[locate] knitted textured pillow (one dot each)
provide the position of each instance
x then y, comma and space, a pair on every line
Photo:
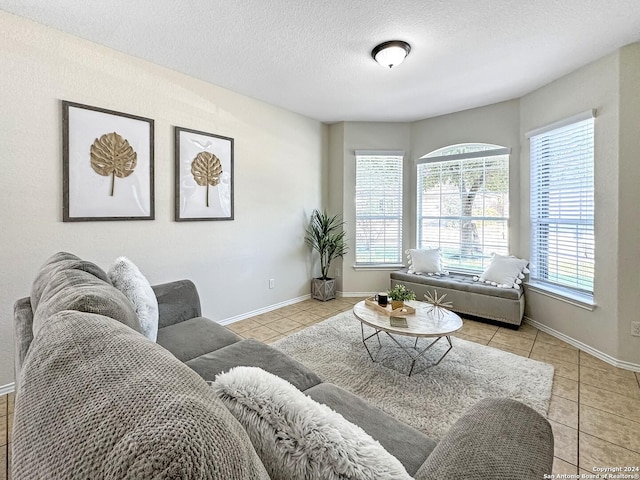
297, 438
128, 278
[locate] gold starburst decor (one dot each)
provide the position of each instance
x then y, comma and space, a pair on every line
437, 302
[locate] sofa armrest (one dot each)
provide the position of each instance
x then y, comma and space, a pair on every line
177, 301
496, 438
22, 333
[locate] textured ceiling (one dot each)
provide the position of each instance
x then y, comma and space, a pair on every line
313, 56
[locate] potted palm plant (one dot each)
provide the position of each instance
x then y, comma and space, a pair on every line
324, 234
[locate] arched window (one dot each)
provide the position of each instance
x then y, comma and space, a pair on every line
463, 204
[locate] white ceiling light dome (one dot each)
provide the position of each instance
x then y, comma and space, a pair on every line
391, 53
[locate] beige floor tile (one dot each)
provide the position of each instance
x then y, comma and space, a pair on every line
565, 442
3, 462
563, 411
524, 329
266, 318
638, 377
595, 452
482, 341
243, 325
565, 388
560, 467
276, 338
611, 428
351, 300
508, 348
261, 333
562, 369
307, 317
477, 329
607, 381
515, 341
621, 405
544, 337
284, 325
10, 428
4, 427
589, 361
559, 353
4, 402
9, 462
289, 309
11, 400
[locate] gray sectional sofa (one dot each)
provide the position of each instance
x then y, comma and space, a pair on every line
96, 399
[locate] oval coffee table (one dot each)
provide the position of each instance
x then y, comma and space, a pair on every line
428, 321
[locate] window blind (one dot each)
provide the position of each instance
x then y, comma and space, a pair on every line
562, 206
378, 208
463, 204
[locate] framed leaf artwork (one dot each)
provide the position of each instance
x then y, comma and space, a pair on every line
203, 176
107, 165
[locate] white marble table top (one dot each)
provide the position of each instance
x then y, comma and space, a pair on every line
428, 321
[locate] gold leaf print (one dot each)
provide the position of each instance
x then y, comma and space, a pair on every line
112, 155
206, 170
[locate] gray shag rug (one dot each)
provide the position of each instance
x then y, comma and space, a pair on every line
432, 399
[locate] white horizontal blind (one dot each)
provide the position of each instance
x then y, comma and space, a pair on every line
378, 208
463, 205
562, 206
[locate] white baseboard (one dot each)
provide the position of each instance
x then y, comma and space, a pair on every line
583, 346
10, 388
260, 311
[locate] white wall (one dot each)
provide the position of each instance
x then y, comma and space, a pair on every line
279, 162
628, 203
346, 138
593, 86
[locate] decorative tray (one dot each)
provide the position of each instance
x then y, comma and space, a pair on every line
398, 312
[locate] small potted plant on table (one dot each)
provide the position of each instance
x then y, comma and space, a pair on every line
398, 294
325, 235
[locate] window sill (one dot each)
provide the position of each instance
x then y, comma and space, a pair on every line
381, 266
563, 294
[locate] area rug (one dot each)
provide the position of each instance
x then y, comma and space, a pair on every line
432, 399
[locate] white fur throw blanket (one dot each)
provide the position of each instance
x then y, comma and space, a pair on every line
297, 438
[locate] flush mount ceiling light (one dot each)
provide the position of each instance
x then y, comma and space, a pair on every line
392, 53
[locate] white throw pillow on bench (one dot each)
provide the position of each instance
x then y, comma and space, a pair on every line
505, 271
298, 438
425, 260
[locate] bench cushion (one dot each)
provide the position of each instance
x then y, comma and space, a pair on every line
458, 281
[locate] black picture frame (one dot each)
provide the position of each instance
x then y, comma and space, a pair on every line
103, 150
204, 176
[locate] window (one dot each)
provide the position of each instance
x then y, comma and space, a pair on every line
463, 204
562, 204
378, 207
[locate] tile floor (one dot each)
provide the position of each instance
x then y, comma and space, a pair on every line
594, 411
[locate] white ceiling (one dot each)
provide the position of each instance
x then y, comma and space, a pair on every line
313, 56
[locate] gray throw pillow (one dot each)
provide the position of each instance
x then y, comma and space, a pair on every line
298, 438
128, 278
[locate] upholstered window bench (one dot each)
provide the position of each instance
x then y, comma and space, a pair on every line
468, 296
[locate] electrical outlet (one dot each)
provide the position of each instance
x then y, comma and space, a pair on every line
635, 329
272, 283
